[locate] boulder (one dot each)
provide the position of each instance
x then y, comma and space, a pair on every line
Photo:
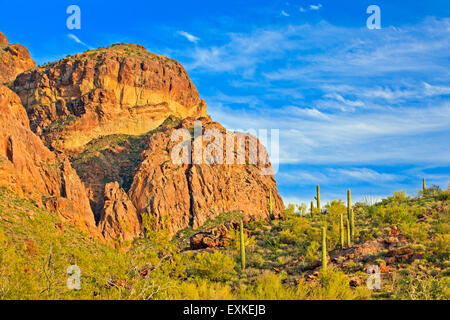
218, 236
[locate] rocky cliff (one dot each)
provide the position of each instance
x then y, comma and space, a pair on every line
122, 89
31, 170
14, 59
188, 194
111, 114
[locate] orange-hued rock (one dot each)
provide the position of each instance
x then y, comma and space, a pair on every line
14, 59
187, 195
31, 170
122, 89
217, 236
112, 111
119, 219
3, 38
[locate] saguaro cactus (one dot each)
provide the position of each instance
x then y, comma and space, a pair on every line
324, 248
424, 185
317, 197
350, 213
242, 245
341, 229
349, 239
270, 202
312, 209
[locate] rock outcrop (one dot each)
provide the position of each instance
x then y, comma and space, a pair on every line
31, 170
3, 38
122, 89
218, 236
184, 195
14, 59
119, 219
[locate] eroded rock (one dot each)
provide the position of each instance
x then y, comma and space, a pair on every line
122, 89
14, 59
31, 170
119, 219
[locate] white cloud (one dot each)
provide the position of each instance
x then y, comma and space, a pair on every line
77, 40
189, 37
364, 174
315, 6
337, 94
284, 13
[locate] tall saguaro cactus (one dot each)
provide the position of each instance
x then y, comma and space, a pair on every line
424, 185
341, 229
350, 213
312, 209
241, 238
349, 239
324, 249
317, 197
270, 202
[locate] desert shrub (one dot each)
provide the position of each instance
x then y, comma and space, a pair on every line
312, 251
334, 285
439, 247
296, 229
394, 214
414, 231
215, 266
408, 286
397, 197
269, 286
198, 289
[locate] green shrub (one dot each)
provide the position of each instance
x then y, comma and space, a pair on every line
215, 266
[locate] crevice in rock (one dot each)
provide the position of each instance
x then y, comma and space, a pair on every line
191, 196
9, 149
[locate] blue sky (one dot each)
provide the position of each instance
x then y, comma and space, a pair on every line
356, 108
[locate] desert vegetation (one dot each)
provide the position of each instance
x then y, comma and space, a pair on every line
406, 237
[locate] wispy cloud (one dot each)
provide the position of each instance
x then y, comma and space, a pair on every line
315, 6
188, 36
284, 13
77, 40
341, 97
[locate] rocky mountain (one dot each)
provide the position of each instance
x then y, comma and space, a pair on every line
14, 59
91, 137
122, 89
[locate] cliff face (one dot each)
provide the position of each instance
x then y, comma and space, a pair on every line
188, 194
31, 170
14, 59
112, 112
122, 89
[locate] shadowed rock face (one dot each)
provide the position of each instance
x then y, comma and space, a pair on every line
30, 169
120, 89
14, 59
119, 219
187, 195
